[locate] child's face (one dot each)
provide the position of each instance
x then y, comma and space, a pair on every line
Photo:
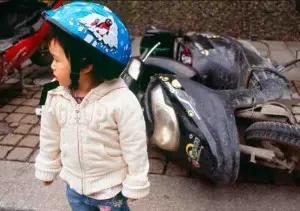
61, 66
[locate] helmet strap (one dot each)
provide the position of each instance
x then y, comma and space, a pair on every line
75, 70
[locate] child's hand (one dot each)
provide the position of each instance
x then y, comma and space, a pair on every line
132, 200
46, 183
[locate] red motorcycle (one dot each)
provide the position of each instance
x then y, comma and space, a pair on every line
22, 35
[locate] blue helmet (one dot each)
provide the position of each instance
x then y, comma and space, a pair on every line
96, 25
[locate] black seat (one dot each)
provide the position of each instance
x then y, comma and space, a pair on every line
161, 65
171, 66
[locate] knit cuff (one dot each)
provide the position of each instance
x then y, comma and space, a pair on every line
136, 192
45, 176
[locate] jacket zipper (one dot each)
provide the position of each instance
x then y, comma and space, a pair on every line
78, 143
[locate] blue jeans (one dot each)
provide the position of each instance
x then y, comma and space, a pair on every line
84, 203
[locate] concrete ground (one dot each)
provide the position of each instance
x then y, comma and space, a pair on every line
19, 190
172, 187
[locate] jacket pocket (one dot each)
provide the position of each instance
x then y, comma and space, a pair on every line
97, 161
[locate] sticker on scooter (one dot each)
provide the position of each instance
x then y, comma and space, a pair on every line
205, 52
190, 113
193, 151
164, 78
175, 83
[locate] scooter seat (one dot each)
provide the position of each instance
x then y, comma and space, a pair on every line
171, 66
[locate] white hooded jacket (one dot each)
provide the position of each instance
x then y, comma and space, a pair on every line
97, 144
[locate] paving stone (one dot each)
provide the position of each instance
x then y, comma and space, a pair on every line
4, 150
14, 124
17, 101
3, 116
293, 47
19, 154
34, 89
297, 118
156, 166
11, 139
296, 109
174, 169
8, 108
30, 119
25, 110
14, 117
32, 158
37, 95
28, 94
282, 56
276, 45
293, 73
259, 47
29, 141
23, 129
4, 129
35, 130
31, 102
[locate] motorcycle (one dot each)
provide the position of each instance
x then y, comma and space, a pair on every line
226, 63
22, 35
197, 124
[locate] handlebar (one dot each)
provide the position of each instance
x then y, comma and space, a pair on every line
146, 54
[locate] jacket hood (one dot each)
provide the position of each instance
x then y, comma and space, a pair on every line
96, 93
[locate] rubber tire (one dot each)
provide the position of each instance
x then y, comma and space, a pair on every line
277, 131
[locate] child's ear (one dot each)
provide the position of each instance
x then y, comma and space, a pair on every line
87, 69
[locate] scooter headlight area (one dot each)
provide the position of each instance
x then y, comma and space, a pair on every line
180, 127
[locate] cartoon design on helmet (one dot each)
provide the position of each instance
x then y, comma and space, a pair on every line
103, 28
96, 25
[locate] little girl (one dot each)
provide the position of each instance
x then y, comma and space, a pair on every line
92, 129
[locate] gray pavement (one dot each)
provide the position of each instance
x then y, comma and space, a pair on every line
19, 190
172, 187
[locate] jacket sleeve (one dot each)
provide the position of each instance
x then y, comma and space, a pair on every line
133, 141
48, 164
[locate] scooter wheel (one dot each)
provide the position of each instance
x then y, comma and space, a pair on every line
277, 132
